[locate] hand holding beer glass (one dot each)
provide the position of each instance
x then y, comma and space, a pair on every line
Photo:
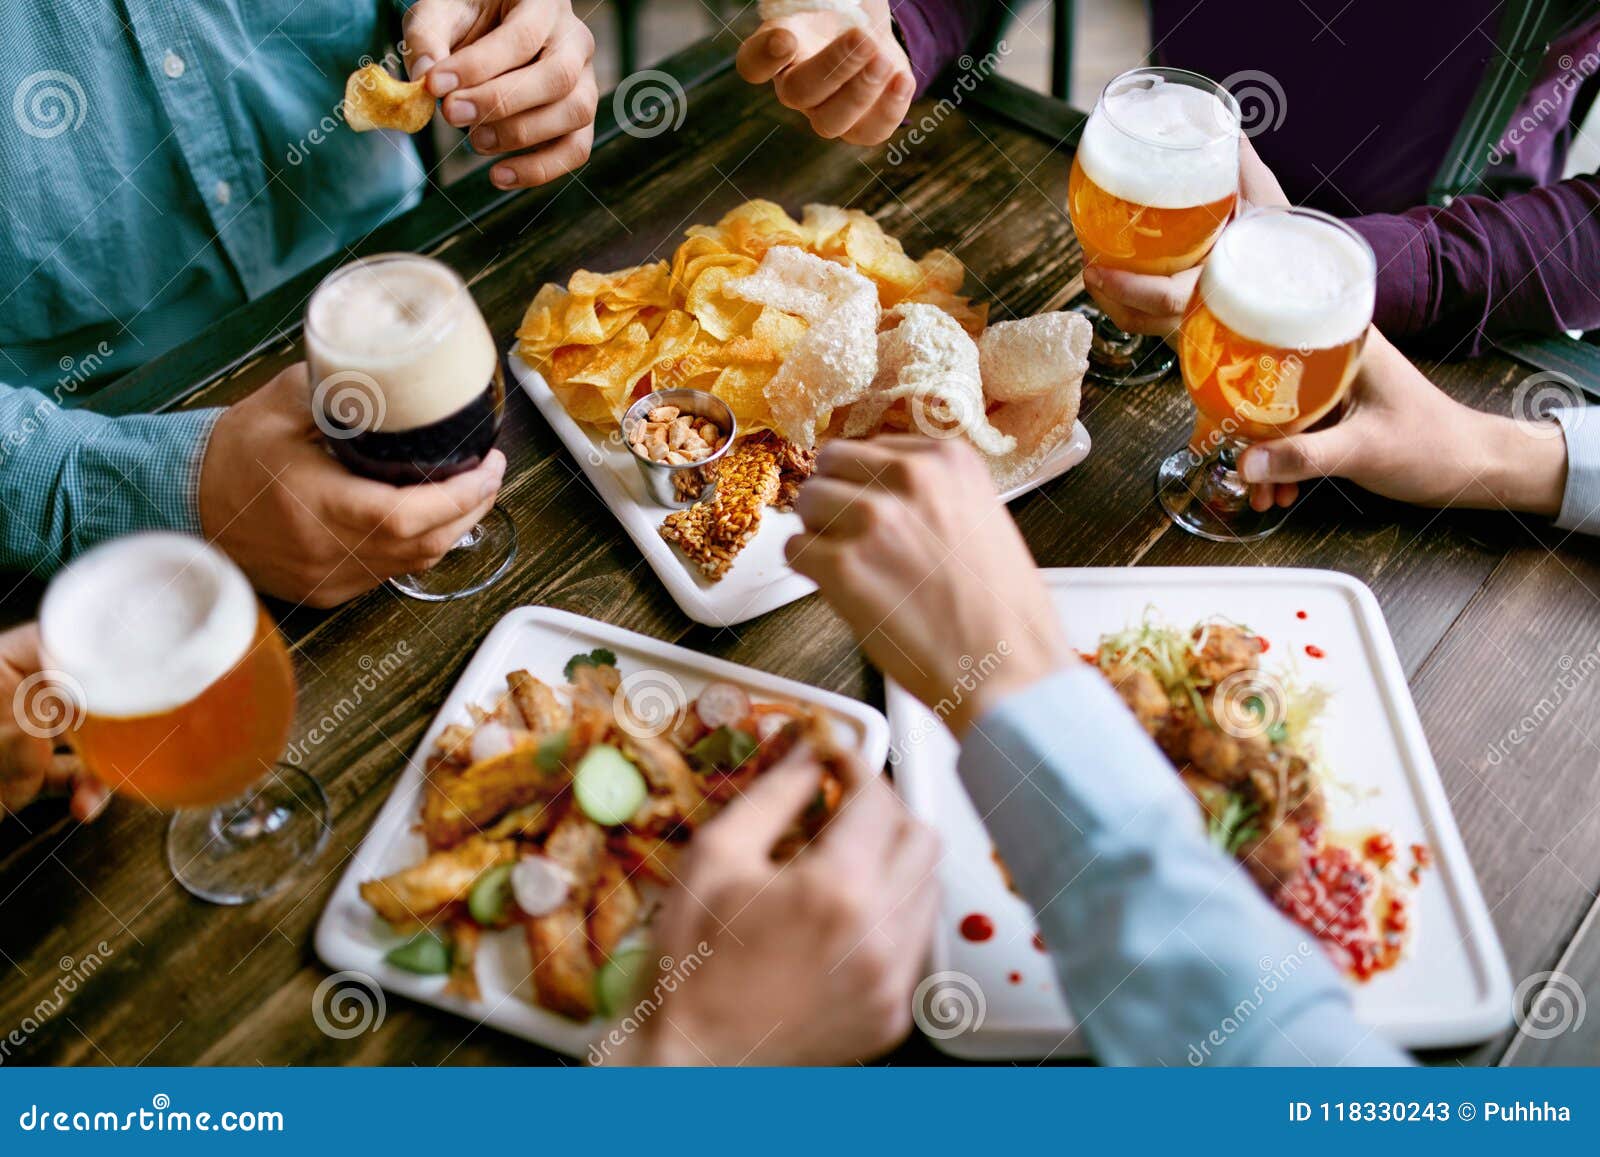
1154, 180
407, 387
1269, 346
181, 695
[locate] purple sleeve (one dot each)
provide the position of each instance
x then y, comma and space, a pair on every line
935, 32
1480, 268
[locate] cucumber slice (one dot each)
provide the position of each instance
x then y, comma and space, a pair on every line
424, 954
608, 787
620, 979
490, 897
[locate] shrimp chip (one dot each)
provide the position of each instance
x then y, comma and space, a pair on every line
375, 100
833, 363
1041, 423
1031, 356
931, 363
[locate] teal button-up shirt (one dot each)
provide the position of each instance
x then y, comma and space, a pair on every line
164, 162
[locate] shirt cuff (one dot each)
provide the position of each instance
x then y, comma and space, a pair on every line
1580, 502
140, 473
1066, 755
1404, 271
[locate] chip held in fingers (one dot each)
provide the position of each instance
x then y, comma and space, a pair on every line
375, 100
847, 10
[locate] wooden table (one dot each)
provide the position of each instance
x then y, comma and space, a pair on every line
1493, 616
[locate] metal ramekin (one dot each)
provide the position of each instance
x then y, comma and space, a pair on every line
677, 487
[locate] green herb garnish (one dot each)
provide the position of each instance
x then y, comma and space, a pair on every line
599, 657
1232, 829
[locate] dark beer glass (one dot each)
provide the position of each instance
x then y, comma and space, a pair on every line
407, 388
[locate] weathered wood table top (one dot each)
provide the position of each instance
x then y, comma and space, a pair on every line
1497, 619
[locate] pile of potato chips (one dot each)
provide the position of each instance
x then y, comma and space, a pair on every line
605, 339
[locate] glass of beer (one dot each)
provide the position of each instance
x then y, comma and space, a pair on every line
407, 388
1154, 180
1269, 344
181, 695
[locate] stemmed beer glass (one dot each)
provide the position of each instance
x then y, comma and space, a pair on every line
407, 387
1269, 345
178, 690
1154, 179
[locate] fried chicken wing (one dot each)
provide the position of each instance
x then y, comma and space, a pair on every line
615, 911
537, 703
563, 971
414, 895
458, 804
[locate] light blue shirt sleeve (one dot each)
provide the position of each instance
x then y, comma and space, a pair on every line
1167, 952
1580, 501
70, 479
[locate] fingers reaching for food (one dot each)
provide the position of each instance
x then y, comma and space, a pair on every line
836, 61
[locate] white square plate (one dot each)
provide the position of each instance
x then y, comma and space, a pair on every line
759, 580
1453, 989
541, 640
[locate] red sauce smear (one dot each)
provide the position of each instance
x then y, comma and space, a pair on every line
1330, 898
1015, 978
1380, 849
1038, 942
1299, 614
1265, 645
1314, 651
977, 927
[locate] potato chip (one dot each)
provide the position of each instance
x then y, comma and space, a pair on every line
719, 314
375, 100
942, 272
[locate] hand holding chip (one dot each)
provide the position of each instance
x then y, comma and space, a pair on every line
518, 74
838, 64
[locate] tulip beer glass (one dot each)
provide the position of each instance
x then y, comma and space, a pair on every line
1154, 180
1269, 345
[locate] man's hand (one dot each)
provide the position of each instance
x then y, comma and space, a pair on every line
519, 74
853, 83
912, 547
1144, 303
31, 718
304, 528
1403, 438
808, 962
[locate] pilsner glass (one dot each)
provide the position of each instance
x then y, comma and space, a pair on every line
182, 696
1153, 181
1269, 345
407, 387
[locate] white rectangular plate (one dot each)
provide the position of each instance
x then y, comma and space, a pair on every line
541, 640
759, 580
1453, 989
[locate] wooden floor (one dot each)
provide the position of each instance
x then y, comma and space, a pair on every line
1491, 615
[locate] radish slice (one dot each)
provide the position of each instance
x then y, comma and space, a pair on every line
722, 705
540, 885
490, 740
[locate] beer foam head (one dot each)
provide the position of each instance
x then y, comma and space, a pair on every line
145, 623
1162, 143
396, 342
1296, 280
